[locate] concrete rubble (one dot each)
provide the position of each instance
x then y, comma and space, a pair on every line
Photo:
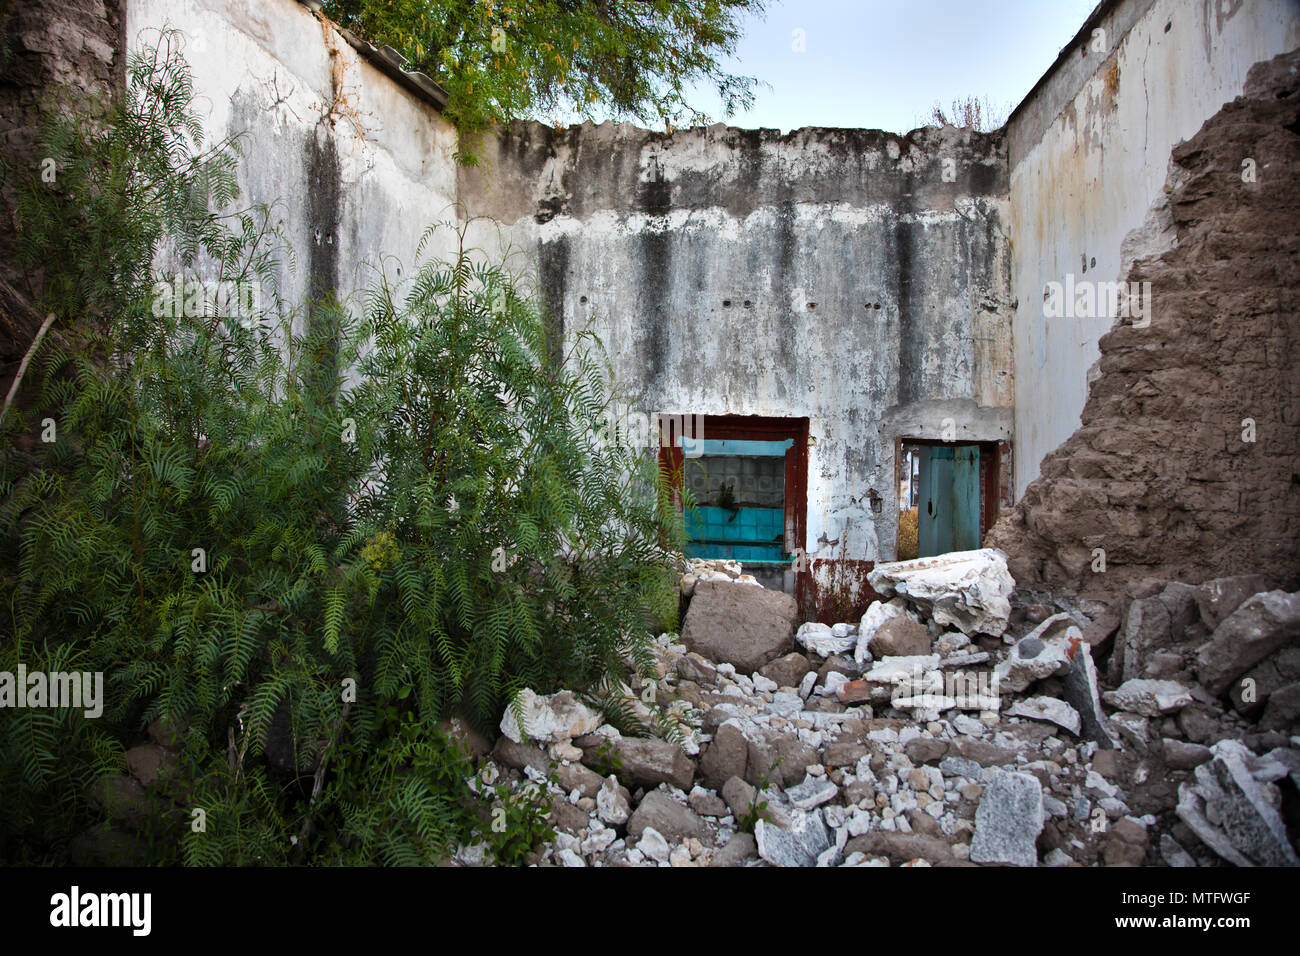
992, 742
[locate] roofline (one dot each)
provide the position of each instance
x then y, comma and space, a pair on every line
1098, 14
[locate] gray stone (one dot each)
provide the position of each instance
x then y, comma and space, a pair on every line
574, 776
727, 756
900, 637
739, 796
707, 804
739, 624
670, 818
1173, 854
740, 850
798, 845
1149, 698
1235, 814
1254, 630
812, 793
1181, 755
1146, 630
695, 667
1008, 820
1080, 691
787, 671
519, 756
959, 767
1219, 598
646, 761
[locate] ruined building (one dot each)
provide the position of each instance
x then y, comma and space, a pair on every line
1073, 338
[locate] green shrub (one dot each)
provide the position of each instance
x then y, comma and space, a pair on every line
302, 575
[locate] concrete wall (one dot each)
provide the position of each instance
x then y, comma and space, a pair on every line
833, 274
1088, 154
358, 166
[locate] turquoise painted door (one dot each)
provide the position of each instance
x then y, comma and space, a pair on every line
965, 498
948, 506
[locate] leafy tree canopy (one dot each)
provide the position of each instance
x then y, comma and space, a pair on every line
508, 59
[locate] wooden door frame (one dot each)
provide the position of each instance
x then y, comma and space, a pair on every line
994, 456
751, 428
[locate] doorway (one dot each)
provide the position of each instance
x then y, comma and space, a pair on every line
947, 496
748, 476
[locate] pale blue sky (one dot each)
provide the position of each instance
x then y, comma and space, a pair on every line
884, 63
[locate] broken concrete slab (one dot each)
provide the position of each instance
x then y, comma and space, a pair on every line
969, 590
1047, 709
821, 639
1033, 659
1235, 814
1081, 692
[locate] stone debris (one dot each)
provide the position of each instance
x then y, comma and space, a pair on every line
968, 590
800, 844
1008, 821
1047, 708
1150, 698
559, 717
1234, 811
820, 639
998, 749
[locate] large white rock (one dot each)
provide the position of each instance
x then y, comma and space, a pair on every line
550, 719
969, 590
876, 615
821, 639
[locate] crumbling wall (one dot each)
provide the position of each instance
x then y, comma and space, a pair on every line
46, 45
1187, 464
357, 165
1086, 150
856, 277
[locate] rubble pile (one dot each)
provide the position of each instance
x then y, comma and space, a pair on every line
956, 724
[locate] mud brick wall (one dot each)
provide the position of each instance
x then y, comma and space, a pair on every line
1162, 475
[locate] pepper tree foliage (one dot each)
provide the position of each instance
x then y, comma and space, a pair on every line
298, 570
501, 60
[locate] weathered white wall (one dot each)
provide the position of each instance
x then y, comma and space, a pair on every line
1089, 153
833, 274
358, 166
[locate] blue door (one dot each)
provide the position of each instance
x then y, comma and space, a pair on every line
948, 505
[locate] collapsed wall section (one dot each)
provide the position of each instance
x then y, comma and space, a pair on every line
1187, 464
1087, 152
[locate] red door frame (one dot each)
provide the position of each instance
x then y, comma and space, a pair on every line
751, 428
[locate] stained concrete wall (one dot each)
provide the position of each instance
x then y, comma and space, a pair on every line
833, 274
357, 165
1088, 154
